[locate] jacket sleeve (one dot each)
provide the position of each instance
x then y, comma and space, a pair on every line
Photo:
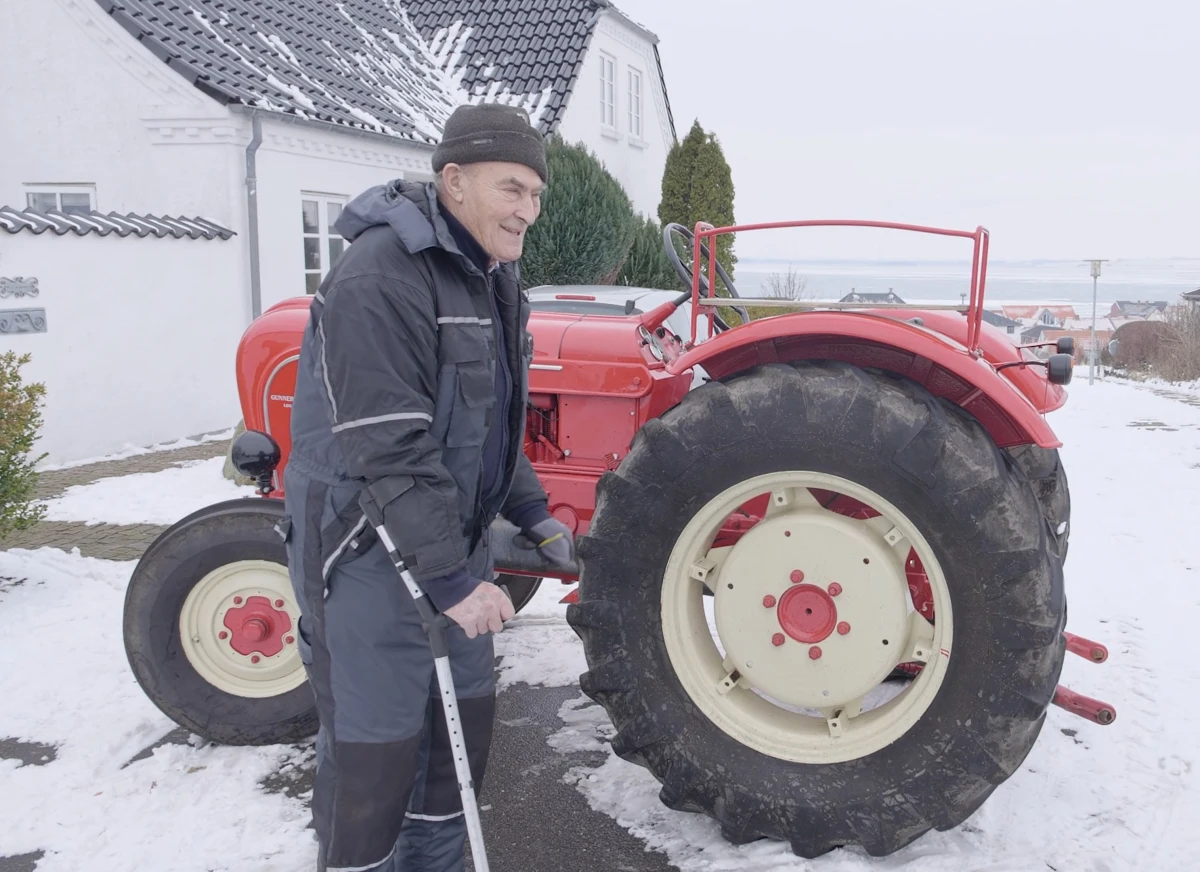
526, 503
379, 365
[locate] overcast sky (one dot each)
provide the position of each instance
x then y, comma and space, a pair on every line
1068, 129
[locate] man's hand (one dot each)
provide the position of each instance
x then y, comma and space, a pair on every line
484, 610
552, 538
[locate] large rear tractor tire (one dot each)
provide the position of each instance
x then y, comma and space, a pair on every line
766, 704
1043, 468
211, 627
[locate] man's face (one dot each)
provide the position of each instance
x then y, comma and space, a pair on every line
496, 202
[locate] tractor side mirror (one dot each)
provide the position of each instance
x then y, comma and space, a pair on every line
1059, 368
1065, 345
255, 455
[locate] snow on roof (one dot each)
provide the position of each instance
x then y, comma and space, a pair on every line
390, 66
1018, 312
82, 223
1061, 312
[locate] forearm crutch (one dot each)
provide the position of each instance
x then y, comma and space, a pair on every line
435, 624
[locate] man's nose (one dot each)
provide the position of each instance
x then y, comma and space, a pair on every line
527, 210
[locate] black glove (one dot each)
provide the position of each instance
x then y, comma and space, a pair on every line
551, 538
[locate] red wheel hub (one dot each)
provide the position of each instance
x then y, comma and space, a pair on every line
257, 627
807, 613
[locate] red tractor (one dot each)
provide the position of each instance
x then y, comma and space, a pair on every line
820, 564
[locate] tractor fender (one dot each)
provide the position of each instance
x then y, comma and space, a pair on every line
940, 365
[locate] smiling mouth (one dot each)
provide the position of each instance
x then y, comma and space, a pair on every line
513, 232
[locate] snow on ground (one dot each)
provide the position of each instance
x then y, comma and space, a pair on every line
147, 497
537, 647
64, 681
1089, 798
1160, 384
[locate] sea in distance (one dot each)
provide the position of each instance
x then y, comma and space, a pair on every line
1007, 282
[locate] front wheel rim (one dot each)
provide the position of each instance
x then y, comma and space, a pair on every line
812, 613
238, 629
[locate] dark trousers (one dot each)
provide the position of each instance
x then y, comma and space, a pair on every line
386, 796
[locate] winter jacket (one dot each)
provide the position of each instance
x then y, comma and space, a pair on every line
409, 351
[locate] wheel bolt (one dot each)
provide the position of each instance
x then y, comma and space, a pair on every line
254, 659
797, 576
777, 639
289, 639
278, 604
814, 653
843, 628
768, 602
222, 635
237, 600
835, 589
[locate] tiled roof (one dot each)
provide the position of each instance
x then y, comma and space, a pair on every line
83, 223
995, 318
397, 67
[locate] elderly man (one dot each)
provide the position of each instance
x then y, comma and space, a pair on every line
412, 383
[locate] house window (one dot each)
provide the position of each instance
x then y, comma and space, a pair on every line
608, 91
322, 244
70, 198
635, 103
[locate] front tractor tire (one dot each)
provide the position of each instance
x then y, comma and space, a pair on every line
210, 627
779, 715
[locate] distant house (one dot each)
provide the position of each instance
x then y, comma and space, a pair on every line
875, 298
1192, 298
1033, 334
1011, 326
1049, 315
1060, 314
1146, 311
176, 168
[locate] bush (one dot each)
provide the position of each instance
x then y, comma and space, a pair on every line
20, 421
647, 265
781, 286
1139, 344
1177, 355
587, 224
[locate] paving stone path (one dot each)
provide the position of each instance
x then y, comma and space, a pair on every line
105, 541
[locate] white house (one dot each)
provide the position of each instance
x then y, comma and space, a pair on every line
168, 170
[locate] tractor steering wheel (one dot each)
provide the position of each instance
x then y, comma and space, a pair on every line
685, 272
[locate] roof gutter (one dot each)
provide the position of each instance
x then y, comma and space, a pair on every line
341, 129
252, 214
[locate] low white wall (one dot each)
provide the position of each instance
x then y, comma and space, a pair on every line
140, 340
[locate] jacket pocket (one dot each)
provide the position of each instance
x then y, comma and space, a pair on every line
474, 403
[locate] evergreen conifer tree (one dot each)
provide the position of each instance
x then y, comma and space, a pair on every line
698, 186
586, 226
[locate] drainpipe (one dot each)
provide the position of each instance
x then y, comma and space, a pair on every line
252, 211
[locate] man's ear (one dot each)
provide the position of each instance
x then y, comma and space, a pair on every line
453, 181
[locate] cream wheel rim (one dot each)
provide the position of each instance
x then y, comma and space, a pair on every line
238, 629
811, 612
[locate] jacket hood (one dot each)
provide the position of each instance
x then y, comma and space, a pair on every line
408, 207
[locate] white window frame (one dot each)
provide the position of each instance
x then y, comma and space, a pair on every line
634, 106
323, 235
60, 188
608, 91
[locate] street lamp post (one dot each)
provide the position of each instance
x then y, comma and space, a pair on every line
1092, 344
